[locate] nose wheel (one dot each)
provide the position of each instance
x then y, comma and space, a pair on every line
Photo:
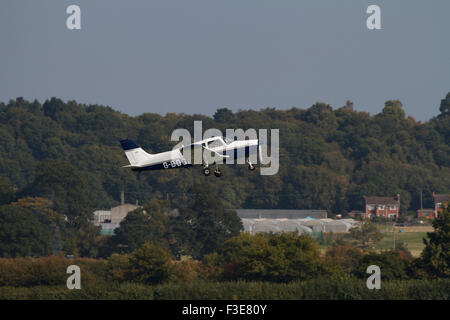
251, 166
217, 173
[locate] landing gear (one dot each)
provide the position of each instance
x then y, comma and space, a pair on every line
217, 172
251, 167
206, 171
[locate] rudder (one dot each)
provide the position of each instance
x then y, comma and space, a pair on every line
135, 154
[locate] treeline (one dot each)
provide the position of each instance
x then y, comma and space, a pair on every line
329, 157
318, 289
61, 161
261, 266
58, 220
278, 258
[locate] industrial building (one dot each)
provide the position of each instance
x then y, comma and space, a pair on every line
109, 220
280, 214
300, 221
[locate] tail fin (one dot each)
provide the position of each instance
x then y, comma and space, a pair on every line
135, 154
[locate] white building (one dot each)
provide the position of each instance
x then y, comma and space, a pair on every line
109, 220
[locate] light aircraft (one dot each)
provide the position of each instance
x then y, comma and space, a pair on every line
218, 146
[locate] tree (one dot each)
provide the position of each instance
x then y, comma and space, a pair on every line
392, 263
435, 256
445, 106
60, 182
366, 234
328, 158
6, 191
223, 115
142, 225
23, 232
279, 258
149, 264
210, 222
346, 256
394, 109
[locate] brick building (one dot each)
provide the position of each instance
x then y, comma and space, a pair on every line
385, 207
426, 213
439, 200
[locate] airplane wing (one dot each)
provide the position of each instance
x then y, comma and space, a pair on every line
200, 145
220, 155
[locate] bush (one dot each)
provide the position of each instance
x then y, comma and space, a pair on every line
393, 264
279, 258
47, 271
118, 266
186, 271
149, 264
316, 289
346, 256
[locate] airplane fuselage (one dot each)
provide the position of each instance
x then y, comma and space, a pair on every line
212, 150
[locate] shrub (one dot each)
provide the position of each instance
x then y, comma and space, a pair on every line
279, 258
149, 264
118, 266
186, 271
315, 289
346, 256
393, 265
27, 272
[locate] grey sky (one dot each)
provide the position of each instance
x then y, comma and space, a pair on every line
194, 56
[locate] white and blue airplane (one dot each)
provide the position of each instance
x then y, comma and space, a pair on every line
215, 147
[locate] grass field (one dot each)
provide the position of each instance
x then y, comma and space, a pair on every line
412, 240
411, 237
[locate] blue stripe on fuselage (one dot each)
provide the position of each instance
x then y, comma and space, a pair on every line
160, 166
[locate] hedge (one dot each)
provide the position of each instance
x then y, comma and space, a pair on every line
350, 289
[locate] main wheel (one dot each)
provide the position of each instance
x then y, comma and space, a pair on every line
251, 167
217, 173
206, 171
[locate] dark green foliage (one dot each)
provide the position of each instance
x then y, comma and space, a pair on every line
393, 265
206, 221
24, 232
149, 264
61, 182
70, 154
328, 158
278, 258
435, 258
320, 289
445, 106
6, 191
201, 226
140, 226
